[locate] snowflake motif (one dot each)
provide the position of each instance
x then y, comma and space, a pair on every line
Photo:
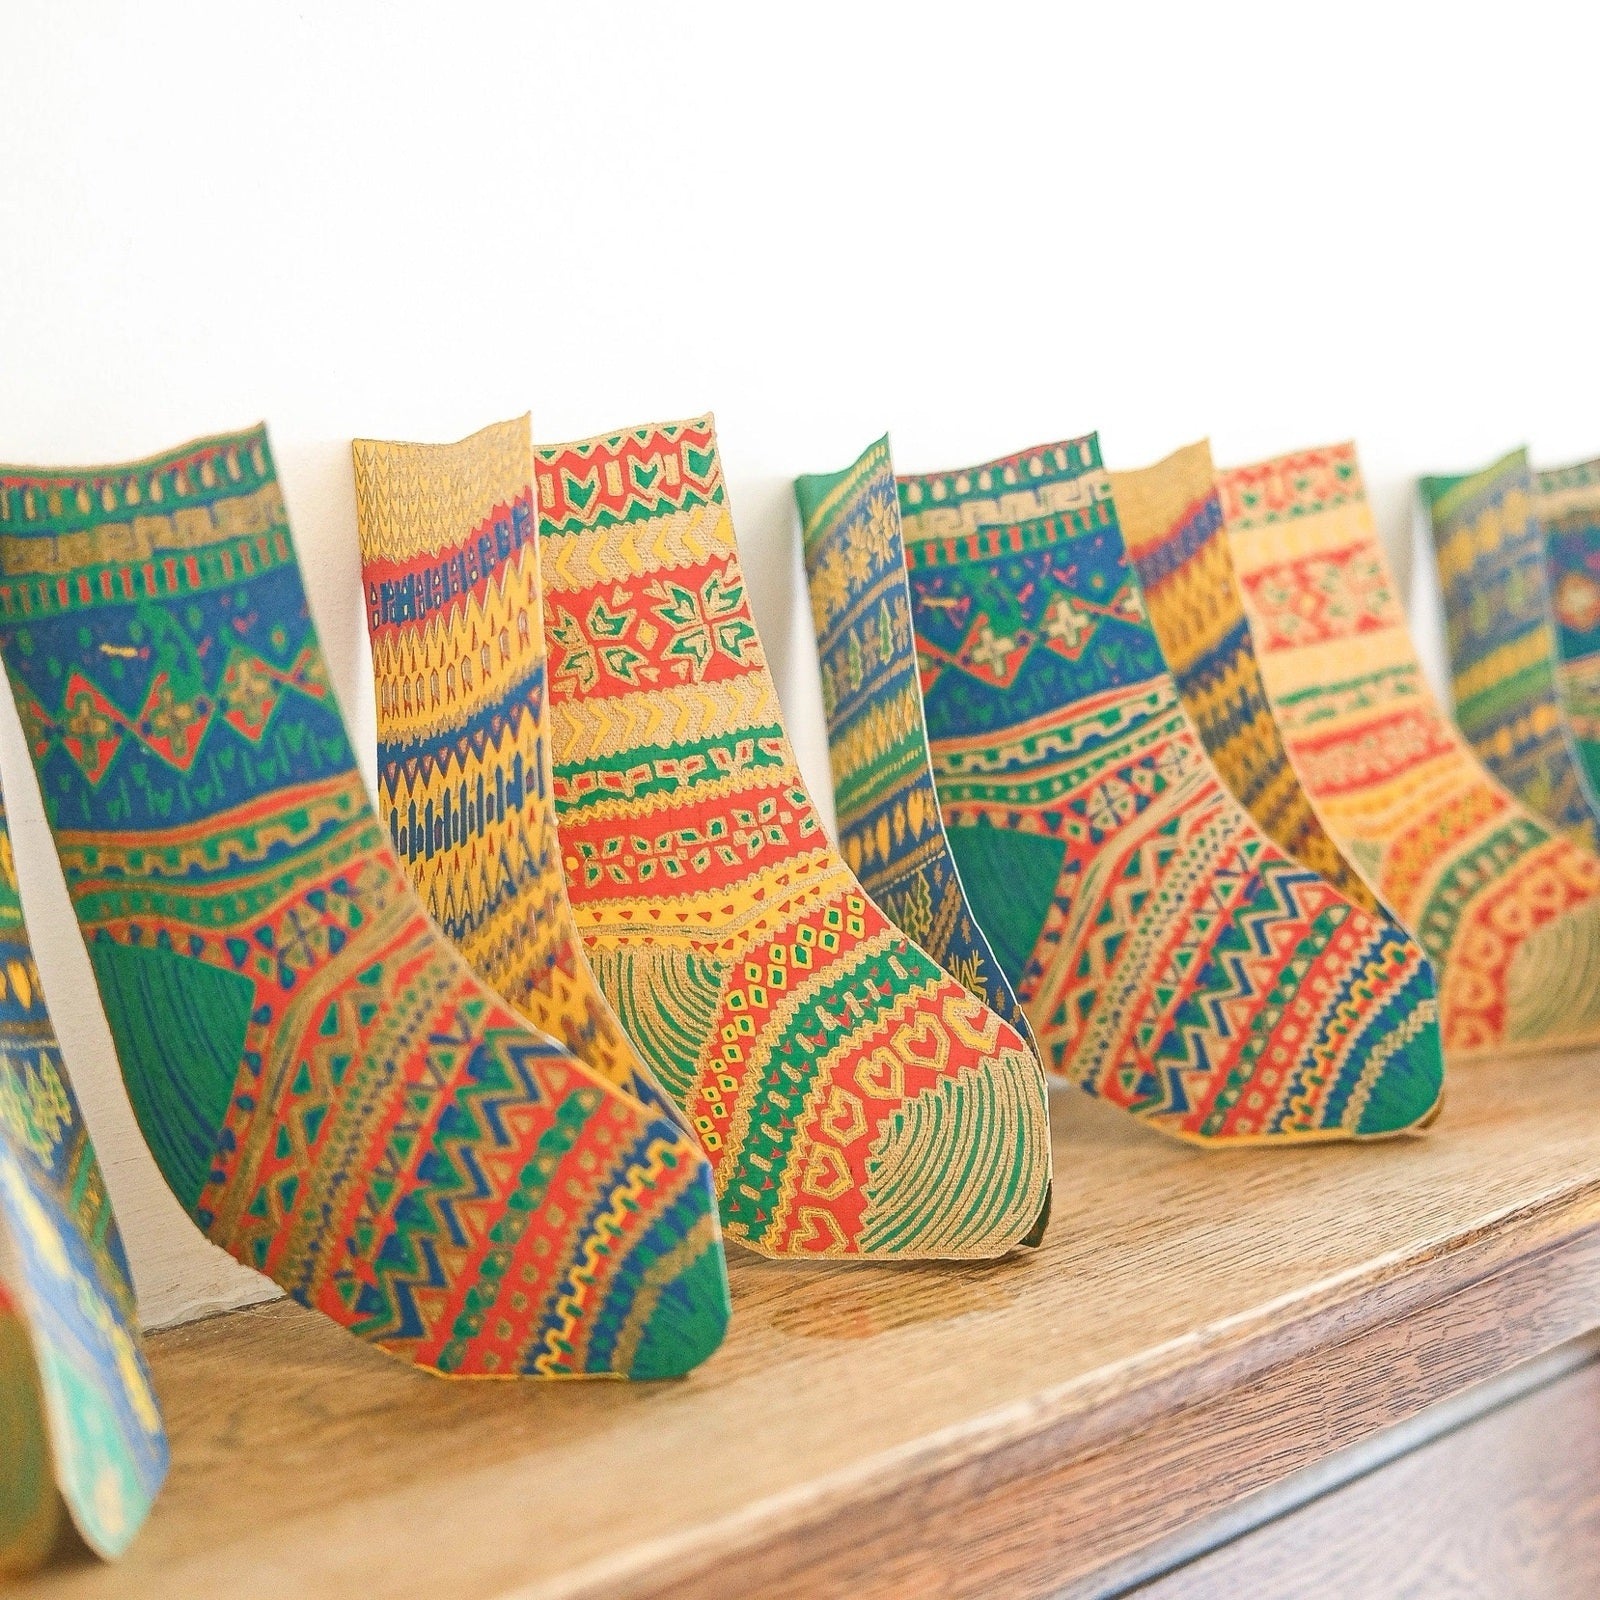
883, 524
901, 640
248, 692
302, 943
1111, 803
830, 588
1173, 761
859, 564
713, 621
991, 650
84, 718
1065, 624
166, 717
574, 660
600, 644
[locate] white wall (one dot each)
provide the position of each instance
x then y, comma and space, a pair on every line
981, 228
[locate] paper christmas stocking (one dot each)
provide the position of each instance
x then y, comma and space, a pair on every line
1490, 549
327, 1088
1171, 522
79, 1413
853, 1098
1172, 958
1568, 507
451, 572
888, 811
1508, 909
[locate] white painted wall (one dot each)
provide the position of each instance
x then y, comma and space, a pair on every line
981, 227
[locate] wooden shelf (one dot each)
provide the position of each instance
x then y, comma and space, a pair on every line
1196, 1327
1506, 1504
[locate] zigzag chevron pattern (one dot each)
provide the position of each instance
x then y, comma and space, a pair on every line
1491, 557
1489, 891
1173, 959
326, 1087
444, 673
431, 500
591, 729
685, 538
174, 718
453, 613
849, 1103
873, 749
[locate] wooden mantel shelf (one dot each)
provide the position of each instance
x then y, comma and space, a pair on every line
1196, 1327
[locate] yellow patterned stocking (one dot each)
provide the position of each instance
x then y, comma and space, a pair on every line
463, 777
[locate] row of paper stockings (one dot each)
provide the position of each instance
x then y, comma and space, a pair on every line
1115, 795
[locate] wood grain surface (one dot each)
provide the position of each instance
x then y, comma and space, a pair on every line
1506, 1508
1196, 1326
